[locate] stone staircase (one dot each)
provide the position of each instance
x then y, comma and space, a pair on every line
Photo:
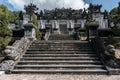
58, 56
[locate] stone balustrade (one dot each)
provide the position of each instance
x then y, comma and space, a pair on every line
13, 53
106, 52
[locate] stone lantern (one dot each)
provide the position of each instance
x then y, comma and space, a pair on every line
30, 31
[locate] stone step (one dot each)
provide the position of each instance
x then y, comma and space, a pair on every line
73, 48
60, 37
60, 41
59, 52
59, 49
86, 71
52, 44
59, 58
59, 46
75, 67
59, 66
69, 54
60, 55
65, 44
60, 62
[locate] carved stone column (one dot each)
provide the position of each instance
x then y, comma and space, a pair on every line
83, 24
56, 27
71, 26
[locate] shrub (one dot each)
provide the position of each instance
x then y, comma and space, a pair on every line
5, 32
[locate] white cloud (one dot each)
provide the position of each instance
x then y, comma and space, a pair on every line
49, 4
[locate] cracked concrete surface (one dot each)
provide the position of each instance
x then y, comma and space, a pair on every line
57, 77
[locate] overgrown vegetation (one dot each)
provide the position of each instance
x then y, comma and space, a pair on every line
115, 18
5, 32
115, 14
111, 40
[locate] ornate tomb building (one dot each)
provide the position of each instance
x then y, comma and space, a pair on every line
62, 20
66, 20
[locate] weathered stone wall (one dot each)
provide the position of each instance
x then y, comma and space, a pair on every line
14, 53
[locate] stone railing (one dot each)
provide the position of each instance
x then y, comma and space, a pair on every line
106, 52
13, 53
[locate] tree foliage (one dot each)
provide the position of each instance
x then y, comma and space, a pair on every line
115, 18
13, 16
5, 32
115, 14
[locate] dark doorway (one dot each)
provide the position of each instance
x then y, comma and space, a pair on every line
63, 28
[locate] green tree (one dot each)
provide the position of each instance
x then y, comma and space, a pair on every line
115, 14
13, 16
5, 32
115, 18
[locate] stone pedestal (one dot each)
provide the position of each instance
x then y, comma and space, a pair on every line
30, 31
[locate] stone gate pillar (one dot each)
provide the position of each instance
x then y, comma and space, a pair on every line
71, 27
93, 29
30, 31
56, 27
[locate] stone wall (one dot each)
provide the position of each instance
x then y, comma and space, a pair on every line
13, 53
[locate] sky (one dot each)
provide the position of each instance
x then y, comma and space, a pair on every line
51, 4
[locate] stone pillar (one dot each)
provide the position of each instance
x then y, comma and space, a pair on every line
106, 23
68, 27
26, 19
93, 29
30, 31
42, 24
53, 24
56, 28
71, 26
83, 24
68, 24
